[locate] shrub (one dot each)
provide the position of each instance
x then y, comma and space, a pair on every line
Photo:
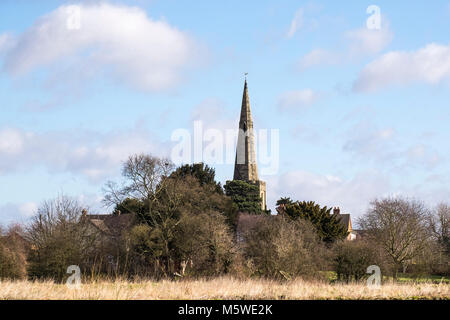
431, 260
12, 254
278, 247
352, 259
59, 238
11, 264
204, 244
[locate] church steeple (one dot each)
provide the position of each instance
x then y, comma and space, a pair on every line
245, 167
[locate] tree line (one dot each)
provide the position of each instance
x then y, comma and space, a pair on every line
181, 223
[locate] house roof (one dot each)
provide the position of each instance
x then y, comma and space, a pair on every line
100, 224
110, 223
345, 220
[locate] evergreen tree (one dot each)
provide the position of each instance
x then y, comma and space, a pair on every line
284, 201
245, 196
327, 225
205, 174
130, 205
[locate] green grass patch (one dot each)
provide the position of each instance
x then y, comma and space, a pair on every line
410, 278
331, 276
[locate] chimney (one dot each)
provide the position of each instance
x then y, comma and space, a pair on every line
337, 211
84, 212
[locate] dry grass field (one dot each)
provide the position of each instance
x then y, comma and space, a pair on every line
221, 288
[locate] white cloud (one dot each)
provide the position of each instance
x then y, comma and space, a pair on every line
210, 109
297, 99
368, 42
6, 42
11, 141
213, 114
93, 155
423, 155
386, 133
358, 43
430, 64
309, 133
16, 212
386, 149
28, 209
317, 57
368, 141
92, 202
351, 195
119, 41
296, 23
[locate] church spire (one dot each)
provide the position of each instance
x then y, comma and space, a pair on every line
245, 167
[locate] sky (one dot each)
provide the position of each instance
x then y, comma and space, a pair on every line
354, 97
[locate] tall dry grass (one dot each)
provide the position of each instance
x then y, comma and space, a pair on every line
220, 288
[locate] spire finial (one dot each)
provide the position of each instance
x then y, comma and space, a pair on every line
245, 75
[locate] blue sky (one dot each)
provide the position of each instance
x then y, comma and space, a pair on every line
361, 113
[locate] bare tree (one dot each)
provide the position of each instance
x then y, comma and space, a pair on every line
399, 226
61, 212
439, 225
145, 178
59, 237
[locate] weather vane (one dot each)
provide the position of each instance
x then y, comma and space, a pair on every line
245, 74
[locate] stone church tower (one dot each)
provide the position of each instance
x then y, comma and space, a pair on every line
245, 167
